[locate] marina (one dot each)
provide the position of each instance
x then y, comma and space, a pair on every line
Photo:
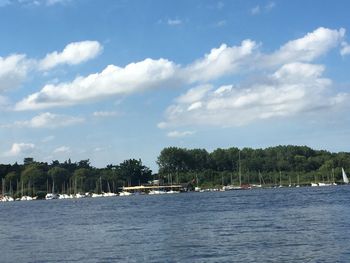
163, 189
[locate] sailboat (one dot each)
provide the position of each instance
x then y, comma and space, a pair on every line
260, 179
290, 182
280, 180
334, 183
345, 178
314, 184
298, 185
109, 193
25, 197
50, 196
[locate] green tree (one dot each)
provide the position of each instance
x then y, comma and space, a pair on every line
59, 176
34, 175
134, 172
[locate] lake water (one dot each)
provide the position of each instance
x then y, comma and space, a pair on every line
263, 225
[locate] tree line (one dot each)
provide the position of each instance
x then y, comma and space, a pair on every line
272, 165
287, 164
32, 177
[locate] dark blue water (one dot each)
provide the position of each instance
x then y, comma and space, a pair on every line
265, 225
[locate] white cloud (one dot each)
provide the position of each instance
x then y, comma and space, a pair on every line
13, 71
194, 94
174, 22
296, 88
179, 134
306, 49
220, 61
62, 149
113, 80
48, 120
345, 49
74, 53
18, 149
14, 68
255, 10
151, 74
105, 113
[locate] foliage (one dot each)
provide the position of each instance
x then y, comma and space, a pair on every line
273, 165
221, 166
33, 177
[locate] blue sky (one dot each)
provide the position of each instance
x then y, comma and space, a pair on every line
112, 80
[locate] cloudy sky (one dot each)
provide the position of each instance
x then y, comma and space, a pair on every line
112, 80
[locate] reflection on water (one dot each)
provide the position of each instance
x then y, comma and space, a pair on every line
263, 225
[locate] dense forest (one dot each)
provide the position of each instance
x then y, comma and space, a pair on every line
32, 177
274, 165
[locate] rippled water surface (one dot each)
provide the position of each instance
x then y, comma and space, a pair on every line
264, 225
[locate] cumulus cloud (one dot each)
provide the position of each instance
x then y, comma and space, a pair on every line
162, 73
345, 49
307, 48
113, 80
194, 94
13, 71
74, 53
179, 134
47, 120
14, 68
220, 61
19, 149
294, 88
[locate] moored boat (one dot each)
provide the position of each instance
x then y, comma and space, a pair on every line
51, 196
345, 177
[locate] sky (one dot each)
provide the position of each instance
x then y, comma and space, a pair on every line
113, 80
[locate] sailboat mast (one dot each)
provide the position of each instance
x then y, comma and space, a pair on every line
239, 168
3, 186
280, 178
259, 178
